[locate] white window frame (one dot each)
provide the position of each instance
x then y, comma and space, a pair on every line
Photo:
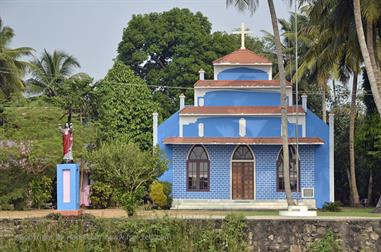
201, 130
242, 127
201, 101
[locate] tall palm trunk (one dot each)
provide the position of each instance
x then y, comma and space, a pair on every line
378, 206
377, 73
350, 186
365, 54
278, 46
353, 112
370, 187
371, 44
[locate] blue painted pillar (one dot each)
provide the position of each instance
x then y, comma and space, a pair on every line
68, 191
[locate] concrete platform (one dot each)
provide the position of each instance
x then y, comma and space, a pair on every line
297, 211
68, 213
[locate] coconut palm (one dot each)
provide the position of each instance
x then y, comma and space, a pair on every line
12, 69
50, 71
350, 63
367, 47
371, 58
336, 52
309, 72
251, 5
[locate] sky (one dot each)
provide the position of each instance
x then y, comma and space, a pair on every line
91, 30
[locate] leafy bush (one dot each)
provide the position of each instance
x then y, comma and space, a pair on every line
160, 194
168, 193
41, 191
182, 235
131, 200
331, 207
100, 195
58, 233
231, 236
233, 229
127, 169
13, 188
327, 244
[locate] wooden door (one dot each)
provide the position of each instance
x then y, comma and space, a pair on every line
243, 180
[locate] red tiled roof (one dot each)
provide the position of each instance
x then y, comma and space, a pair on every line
242, 56
241, 140
240, 110
239, 83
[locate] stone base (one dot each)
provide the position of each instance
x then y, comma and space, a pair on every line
297, 211
68, 213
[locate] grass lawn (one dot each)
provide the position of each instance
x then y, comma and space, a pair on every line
345, 211
350, 211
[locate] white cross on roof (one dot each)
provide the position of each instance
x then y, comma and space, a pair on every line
242, 31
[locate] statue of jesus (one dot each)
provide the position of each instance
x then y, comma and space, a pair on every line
67, 139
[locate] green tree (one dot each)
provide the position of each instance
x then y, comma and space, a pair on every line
368, 50
168, 49
77, 93
307, 82
50, 71
40, 189
368, 138
37, 142
125, 107
377, 153
31, 147
338, 42
127, 169
12, 69
342, 175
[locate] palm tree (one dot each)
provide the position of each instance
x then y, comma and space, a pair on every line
11, 68
313, 68
368, 53
50, 71
351, 61
251, 5
336, 50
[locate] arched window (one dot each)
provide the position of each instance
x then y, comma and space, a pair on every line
198, 169
243, 153
294, 167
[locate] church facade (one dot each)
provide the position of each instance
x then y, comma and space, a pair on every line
225, 150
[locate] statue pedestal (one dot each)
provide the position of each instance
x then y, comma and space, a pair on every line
68, 191
298, 211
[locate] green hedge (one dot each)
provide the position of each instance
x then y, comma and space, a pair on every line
91, 234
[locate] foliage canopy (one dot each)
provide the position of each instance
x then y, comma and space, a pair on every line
125, 107
168, 49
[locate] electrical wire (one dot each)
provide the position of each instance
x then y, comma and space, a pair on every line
307, 92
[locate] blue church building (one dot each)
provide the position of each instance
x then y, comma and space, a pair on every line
225, 150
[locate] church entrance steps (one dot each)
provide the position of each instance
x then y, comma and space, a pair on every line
236, 204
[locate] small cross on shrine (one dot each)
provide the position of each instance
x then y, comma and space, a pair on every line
242, 32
